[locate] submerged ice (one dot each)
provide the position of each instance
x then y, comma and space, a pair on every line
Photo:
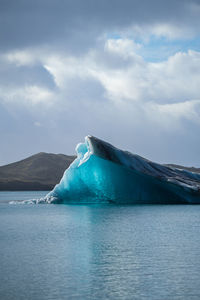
101, 173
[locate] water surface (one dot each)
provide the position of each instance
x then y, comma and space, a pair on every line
99, 252
6, 196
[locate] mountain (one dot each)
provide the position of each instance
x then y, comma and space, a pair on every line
37, 172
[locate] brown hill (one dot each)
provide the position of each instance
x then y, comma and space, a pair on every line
37, 172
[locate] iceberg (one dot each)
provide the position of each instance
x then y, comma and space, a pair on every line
102, 173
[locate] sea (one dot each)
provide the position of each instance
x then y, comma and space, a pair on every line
82, 252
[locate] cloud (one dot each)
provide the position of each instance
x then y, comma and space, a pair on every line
140, 81
20, 58
76, 25
123, 47
165, 90
82, 67
27, 95
129, 76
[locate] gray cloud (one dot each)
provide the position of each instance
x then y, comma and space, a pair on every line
72, 68
75, 25
12, 76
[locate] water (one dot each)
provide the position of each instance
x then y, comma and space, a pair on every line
98, 252
6, 197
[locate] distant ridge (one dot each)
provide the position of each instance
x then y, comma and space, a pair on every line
191, 169
37, 172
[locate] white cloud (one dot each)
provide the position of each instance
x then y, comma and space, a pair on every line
20, 57
171, 117
123, 47
171, 31
188, 109
81, 69
63, 68
28, 95
38, 95
162, 90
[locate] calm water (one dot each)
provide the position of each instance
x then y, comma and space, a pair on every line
98, 252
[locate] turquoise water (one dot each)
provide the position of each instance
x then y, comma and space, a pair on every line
98, 252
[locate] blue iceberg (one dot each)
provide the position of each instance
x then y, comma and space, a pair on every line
101, 173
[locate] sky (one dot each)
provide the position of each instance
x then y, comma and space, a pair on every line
126, 71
